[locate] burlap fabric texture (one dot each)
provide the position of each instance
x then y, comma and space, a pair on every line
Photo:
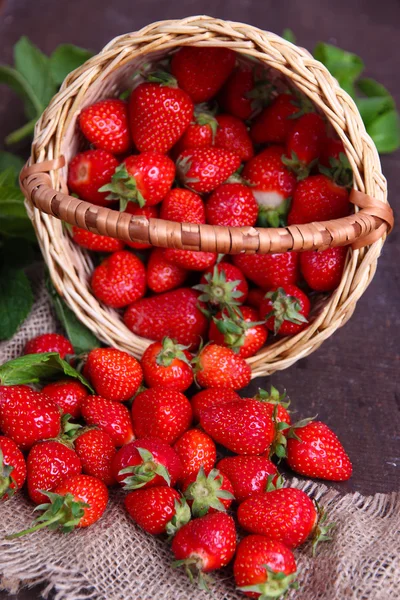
115, 560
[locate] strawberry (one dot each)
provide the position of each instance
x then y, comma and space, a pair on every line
161, 412
12, 468
191, 260
235, 96
48, 464
286, 310
240, 330
105, 125
233, 205
304, 143
315, 451
242, 426
147, 462
163, 275
211, 396
232, 135
263, 568
318, 198
68, 394
183, 206
150, 212
273, 124
27, 416
201, 72
94, 241
269, 270
223, 284
112, 417
96, 451
332, 148
158, 510
207, 493
204, 169
255, 297
88, 172
323, 270
114, 374
167, 364
195, 449
49, 342
217, 366
248, 475
275, 404
200, 133
159, 113
173, 314
119, 280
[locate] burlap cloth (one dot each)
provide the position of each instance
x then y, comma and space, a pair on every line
115, 560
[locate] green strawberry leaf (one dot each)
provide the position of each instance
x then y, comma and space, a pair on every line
370, 88
343, 65
289, 36
16, 300
67, 58
385, 131
10, 161
372, 108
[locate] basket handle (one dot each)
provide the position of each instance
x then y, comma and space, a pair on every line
369, 224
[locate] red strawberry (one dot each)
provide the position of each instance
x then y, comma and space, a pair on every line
201, 72
248, 475
273, 124
183, 206
200, 133
286, 310
163, 275
88, 172
204, 169
68, 394
223, 284
208, 493
161, 412
150, 212
96, 451
211, 396
112, 417
235, 95
269, 270
49, 342
168, 364
305, 142
146, 462
323, 270
232, 135
115, 375
315, 451
119, 280
255, 297
242, 426
191, 259
105, 125
173, 314
94, 241
241, 330
27, 416
233, 205
158, 510
217, 366
274, 403
12, 468
318, 198
48, 464
332, 148
159, 114
263, 568
195, 449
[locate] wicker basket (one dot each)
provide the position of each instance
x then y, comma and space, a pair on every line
57, 140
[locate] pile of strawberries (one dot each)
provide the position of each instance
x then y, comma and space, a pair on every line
129, 423
210, 140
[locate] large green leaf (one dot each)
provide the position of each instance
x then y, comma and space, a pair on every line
10, 161
371, 108
345, 66
67, 58
385, 131
16, 300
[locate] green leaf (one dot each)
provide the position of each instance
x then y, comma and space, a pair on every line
385, 131
67, 58
370, 88
7, 178
16, 300
10, 161
18, 83
289, 36
33, 368
343, 65
371, 108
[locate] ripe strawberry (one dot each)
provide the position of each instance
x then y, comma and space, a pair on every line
211, 396
318, 198
242, 426
204, 169
163, 275
119, 280
315, 451
68, 394
159, 114
146, 462
105, 125
94, 241
183, 206
286, 310
12, 468
161, 412
241, 330
235, 95
217, 366
27, 416
167, 364
96, 451
323, 270
191, 260
201, 72
233, 205
88, 172
305, 142
332, 148
274, 123
208, 493
275, 404
248, 475
49, 342
173, 314
114, 374
158, 510
48, 464
263, 568
195, 449
232, 135
223, 284
112, 417
255, 297
200, 133
269, 270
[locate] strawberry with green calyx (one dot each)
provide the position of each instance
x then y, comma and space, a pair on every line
208, 493
286, 310
218, 366
239, 329
201, 132
273, 124
333, 148
167, 363
339, 170
223, 284
275, 404
12, 468
304, 144
158, 510
249, 475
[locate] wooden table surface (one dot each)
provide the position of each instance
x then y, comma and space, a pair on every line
352, 381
